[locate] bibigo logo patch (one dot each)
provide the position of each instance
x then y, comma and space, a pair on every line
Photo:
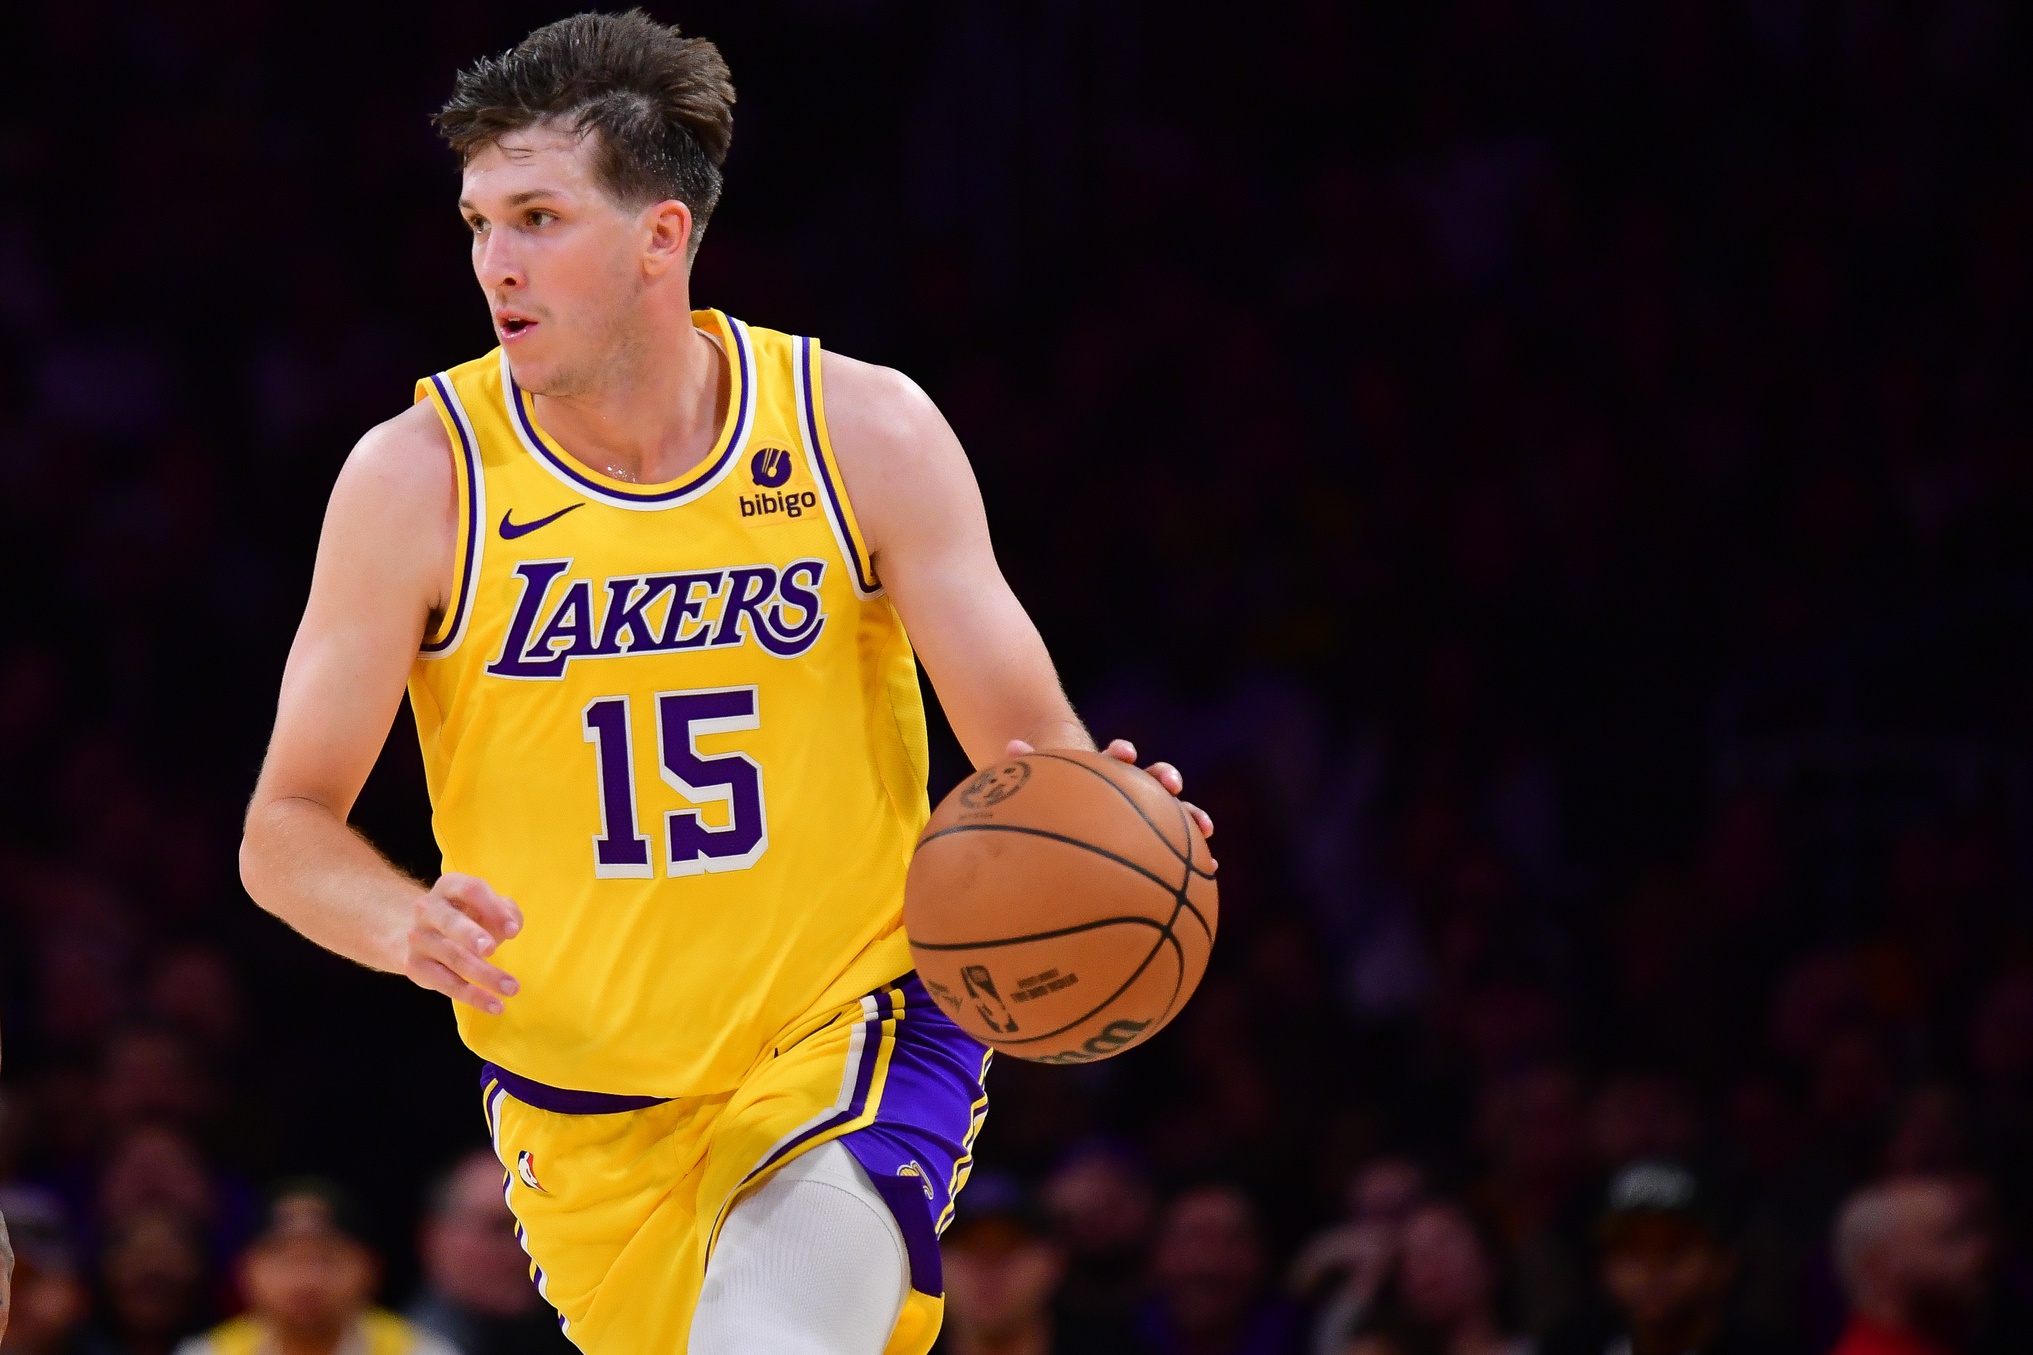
770, 467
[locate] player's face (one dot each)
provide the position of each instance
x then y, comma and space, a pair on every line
562, 263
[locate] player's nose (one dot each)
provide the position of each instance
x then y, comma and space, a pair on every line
494, 261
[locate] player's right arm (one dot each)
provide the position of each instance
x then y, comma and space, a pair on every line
383, 572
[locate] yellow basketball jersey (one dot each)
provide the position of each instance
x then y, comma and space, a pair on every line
678, 724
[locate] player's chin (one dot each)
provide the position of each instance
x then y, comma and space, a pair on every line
531, 364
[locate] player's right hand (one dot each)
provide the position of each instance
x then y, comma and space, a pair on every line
452, 931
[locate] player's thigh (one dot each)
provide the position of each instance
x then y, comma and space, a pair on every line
603, 1206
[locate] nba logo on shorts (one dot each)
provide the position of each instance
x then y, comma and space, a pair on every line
525, 1167
770, 467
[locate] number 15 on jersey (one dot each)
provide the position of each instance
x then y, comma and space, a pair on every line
621, 851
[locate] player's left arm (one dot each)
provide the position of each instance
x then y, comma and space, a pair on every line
921, 515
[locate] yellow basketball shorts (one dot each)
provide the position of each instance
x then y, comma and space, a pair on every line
618, 1199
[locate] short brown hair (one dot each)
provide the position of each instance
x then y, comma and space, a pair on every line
661, 104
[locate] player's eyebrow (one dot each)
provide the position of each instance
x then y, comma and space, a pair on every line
527, 195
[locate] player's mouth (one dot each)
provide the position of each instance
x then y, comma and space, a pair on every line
512, 327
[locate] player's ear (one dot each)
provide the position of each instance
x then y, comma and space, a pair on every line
669, 236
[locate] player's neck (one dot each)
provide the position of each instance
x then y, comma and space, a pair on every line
655, 411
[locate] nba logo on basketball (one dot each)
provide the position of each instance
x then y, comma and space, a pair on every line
770, 467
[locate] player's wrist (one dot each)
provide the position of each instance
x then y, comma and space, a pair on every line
397, 947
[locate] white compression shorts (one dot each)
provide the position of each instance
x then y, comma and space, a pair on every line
812, 1263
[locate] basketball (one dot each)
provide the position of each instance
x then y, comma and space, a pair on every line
1061, 906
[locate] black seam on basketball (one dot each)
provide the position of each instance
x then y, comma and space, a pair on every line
1123, 861
1097, 1008
1167, 934
1191, 834
1164, 934
1198, 916
1183, 900
1042, 936
1186, 824
1167, 931
1163, 1017
1183, 884
1178, 953
1180, 900
1128, 799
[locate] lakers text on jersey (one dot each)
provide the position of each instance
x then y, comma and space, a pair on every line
679, 725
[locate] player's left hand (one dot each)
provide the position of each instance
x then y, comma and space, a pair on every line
1164, 773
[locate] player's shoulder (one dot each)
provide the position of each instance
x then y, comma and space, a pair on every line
403, 462
897, 454
410, 452
397, 496
868, 404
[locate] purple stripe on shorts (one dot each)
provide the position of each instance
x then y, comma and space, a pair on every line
563, 1100
864, 1078
924, 1127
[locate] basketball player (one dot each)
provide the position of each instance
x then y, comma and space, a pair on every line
648, 573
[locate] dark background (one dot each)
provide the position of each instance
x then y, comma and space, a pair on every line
1554, 473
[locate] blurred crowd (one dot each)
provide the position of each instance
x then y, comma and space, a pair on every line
1553, 472
1412, 1270
301, 1280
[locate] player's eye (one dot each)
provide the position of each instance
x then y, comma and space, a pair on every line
477, 224
538, 220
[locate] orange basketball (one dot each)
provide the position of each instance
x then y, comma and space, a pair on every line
1061, 906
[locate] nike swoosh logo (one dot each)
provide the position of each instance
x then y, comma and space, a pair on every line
511, 530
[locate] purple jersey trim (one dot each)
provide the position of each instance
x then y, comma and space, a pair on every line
563, 1100
811, 416
456, 617
741, 399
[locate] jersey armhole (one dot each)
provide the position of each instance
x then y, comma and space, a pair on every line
826, 469
444, 638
